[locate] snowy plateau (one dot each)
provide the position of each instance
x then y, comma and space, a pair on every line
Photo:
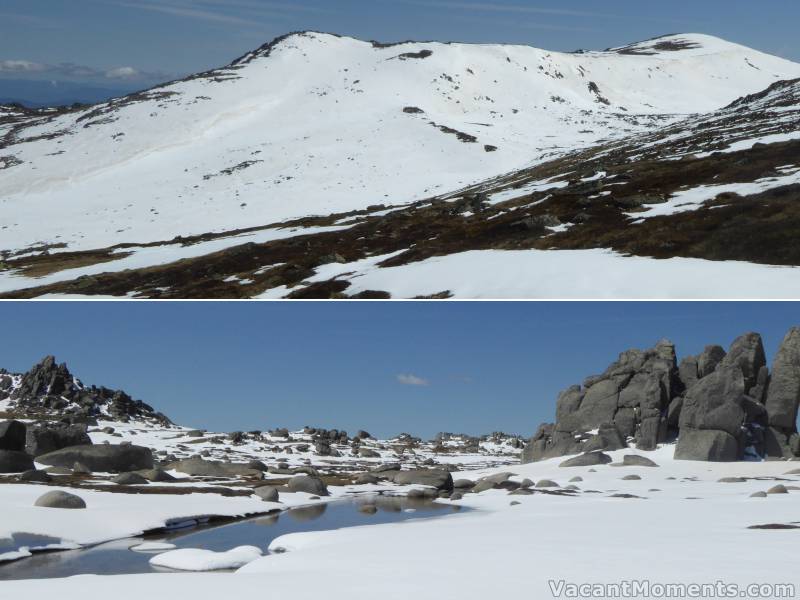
320, 166
606, 495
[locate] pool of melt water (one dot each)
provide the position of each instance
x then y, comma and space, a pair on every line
115, 558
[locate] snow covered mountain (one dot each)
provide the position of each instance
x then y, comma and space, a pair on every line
316, 135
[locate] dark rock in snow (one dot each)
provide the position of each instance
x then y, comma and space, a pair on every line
35, 476
437, 478
267, 493
101, 457
211, 468
58, 499
13, 461
12, 435
41, 439
129, 479
783, 393
710, 445
308, 484
587, 460
634, 460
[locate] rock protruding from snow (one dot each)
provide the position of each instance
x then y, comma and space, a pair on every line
783, 394
101, 457
309, 484
628, 401
59, 499
213, 468
12, 435
720, 406
48, 437
14, 461
589, 459
48, 389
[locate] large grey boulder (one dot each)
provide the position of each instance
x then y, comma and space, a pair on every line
747, 354
482, 486
12, 435
634, 460
693, 368
267, 493
158, 475
199, 467
34, 476
13, 461
708, 360
437, 478
130, 478
606, 438
366, 479
628, 400
44, 438
101, 457
308, 484
783, 394
709, 445
715, 402
59, 499
587, 460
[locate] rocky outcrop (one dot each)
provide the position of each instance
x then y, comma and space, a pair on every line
212, 468
782, 398
48, 437
722, 412
49, 390
626, 404
718, 405
101, 457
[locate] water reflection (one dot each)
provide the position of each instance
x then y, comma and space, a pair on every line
116, 557
307, 513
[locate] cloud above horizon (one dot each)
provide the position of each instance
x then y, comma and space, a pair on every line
69, 70
410, 379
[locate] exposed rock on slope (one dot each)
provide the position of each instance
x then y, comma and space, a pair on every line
50, 391
720, 406
260, 188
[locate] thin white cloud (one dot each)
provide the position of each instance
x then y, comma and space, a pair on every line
184, 11
122, 73
21, 66
521, 9
409, 379
71, 71
241, 13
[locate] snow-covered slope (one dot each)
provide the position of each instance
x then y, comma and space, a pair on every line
315, 124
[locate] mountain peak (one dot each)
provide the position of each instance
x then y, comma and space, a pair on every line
48, 390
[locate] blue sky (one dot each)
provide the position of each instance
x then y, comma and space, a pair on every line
133, 42
420, 367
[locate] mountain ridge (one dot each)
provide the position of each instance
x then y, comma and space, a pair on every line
310, 132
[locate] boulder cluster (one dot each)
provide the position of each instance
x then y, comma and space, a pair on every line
719, 406
65, 446
49, 389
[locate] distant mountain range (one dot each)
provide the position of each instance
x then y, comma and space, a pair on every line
42, 94
325, 166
